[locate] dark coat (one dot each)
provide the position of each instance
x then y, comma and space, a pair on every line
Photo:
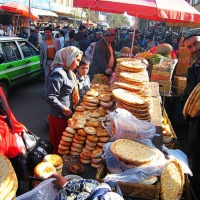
33, 39
84, 44
101, 59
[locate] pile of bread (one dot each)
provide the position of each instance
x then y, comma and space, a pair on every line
133, 94
51, 164
192, 105
85, 132
136, 155
8, 179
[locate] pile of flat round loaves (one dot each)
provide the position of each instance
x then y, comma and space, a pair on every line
192, 105
133, 93
52, 163
85, 136
8, 179
135, 154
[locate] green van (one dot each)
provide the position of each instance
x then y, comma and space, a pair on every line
20, 62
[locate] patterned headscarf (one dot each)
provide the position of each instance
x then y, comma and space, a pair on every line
64, 57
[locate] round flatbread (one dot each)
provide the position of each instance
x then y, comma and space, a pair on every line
133, 152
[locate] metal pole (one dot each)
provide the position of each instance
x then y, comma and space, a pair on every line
29, 8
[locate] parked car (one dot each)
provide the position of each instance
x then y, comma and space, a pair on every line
20, 63
54, 34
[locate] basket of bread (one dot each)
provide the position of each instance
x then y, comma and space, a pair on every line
166, 183
8, 179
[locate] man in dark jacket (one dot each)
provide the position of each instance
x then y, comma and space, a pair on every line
81, 31
33, 38
84, 43
192, 42
104, 61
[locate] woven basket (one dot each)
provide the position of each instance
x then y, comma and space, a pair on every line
132, 189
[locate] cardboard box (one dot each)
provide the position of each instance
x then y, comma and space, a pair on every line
161, 74
164, 86
179, 83
184, 61
164, 70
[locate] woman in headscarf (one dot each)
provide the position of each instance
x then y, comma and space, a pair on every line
62, 92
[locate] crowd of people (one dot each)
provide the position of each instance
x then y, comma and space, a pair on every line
89, 52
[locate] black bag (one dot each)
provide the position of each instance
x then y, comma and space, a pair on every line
40, 150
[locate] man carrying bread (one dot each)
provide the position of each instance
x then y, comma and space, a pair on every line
192, 43
104, 60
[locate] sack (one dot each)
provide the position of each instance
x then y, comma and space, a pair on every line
45, 190
37, 152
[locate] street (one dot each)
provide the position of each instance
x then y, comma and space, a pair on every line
29, 108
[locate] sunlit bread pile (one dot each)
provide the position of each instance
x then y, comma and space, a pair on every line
85, 132
132, 76
8, 179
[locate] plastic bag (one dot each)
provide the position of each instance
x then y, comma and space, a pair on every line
180, 156
126, 172
45, 191
127, 126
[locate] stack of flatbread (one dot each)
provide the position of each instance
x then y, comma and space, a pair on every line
192, 105
8, 179
172, 181
133, 152
132, 102
131, 75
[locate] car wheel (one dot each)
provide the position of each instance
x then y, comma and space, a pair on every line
4, 88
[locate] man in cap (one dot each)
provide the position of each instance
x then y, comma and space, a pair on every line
192, 43
33, 39
104, 61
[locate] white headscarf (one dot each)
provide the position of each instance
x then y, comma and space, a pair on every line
65, 56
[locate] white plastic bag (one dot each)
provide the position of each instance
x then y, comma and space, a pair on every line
126, 172
127, 126
46, 190
180, 156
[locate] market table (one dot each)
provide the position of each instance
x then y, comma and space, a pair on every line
156, 119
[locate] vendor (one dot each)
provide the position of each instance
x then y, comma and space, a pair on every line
192, 43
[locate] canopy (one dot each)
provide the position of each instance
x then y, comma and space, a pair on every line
19, 8
43, 12
157, 10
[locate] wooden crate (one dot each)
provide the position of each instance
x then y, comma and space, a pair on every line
132, 189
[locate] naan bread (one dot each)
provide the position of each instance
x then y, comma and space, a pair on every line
133, 152
172, 181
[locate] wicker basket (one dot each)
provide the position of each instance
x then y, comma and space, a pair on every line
132, 189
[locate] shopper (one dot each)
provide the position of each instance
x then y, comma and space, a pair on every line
71, 41
48, 49
33, 36
192, 43
104, 60
82, 77
62, 91
9, 126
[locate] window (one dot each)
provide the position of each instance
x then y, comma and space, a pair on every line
10, 51
27, 49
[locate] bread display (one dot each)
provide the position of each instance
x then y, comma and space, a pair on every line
8, 179
85, 133
192, 105
133, 152
172, 181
